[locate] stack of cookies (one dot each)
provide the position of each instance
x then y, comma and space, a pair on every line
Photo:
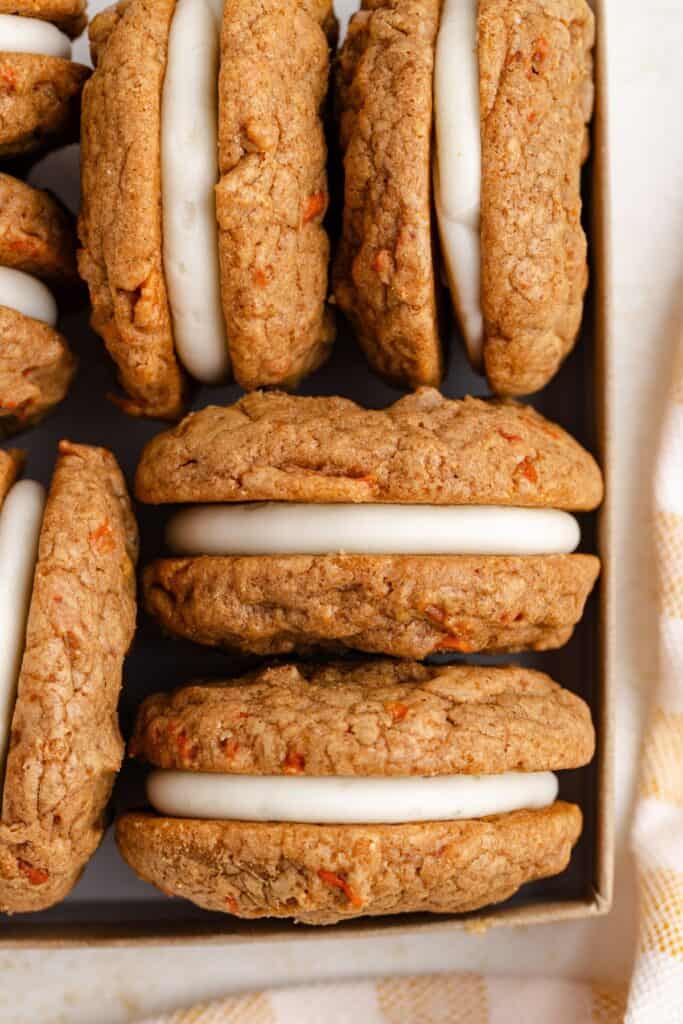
361, 560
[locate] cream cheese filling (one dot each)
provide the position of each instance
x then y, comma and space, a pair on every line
334, 800
189, 173
31, 35
290, 528
27, 295
457, 165
21, 518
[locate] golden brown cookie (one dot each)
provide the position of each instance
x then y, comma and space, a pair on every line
36, 368
384, 277
272, 195
370, 718
39, 102
65, 746
37, 235
120, 225
423, 449
10, 466
324, 874
68, 15
404, 606
536, 99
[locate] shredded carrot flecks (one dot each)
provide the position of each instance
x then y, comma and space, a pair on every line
397, 710
509, 437
337, 882
36, 876
260, 277
229, 746
528, 470
315, 204
102, 537
294, 763
232, 904
454, 643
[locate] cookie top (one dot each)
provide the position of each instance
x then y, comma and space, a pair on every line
37, 235
10, 466
424, 449
65, 746
39, 102
379, 718
68, 15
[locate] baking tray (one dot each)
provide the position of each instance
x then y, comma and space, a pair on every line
110, 905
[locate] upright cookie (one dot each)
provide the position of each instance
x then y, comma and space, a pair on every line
325, 793
37, 259
434, 525
513, 92
243, 279
40, 86
67, 617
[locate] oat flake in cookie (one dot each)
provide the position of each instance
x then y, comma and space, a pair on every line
480, 108
323, 793
67, 565
434, 525
201, 227
40, 86
37, 266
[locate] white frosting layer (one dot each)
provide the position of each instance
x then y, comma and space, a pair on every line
189, 171
20, 522
289, 528
457, 164
346, 801
31, 35
27, 295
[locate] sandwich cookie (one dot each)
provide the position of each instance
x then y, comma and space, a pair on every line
498, 151
40, 86
201, 227
431, 526
37, 261
67, 617
324, 793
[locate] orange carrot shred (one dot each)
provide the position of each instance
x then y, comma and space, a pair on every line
337, 882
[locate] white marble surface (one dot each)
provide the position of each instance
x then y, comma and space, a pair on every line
646, 142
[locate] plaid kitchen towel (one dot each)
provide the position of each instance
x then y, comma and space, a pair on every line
656, 991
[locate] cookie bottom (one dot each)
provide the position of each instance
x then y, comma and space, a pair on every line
322, 874
402, 605
39, 101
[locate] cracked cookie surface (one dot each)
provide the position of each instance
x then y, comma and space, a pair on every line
65, 747
365, 719
322, 874
424, 449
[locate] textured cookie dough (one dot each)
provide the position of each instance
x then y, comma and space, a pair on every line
404, 606
384, 278
322, 874
10, 466
377, 718
536, 98
68, 15
273, 193
39, 102
120, 226
36, 368
65, 746
37, 234
424, 449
